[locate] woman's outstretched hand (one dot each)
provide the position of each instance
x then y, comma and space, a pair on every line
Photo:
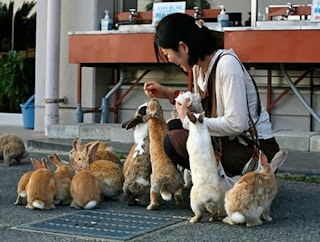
154, 89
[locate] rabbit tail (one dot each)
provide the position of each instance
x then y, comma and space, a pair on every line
23, 194
165, 194
90, 205
238, 218
38, 204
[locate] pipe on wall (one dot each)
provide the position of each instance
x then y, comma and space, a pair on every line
298, 94
52, 62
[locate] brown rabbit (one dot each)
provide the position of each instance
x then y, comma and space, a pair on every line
41, 187
76, 146
62, 178
21, 190
12, 149
100, 154
253, 193
137, 166
108, 174
85, 188
165, 177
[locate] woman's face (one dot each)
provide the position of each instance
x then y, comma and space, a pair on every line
179, 57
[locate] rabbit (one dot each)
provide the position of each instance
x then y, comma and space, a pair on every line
136, 187
206, 192
41, 187
253, 193
85, 188
165, 177
12, 149
100, 154
62, 178
21, 190
76, 146
186, 172
107, 173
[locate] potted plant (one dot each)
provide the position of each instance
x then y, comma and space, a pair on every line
190, 4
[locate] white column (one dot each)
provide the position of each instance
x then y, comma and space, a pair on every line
52, 63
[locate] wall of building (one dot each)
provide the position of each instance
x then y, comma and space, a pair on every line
82, 15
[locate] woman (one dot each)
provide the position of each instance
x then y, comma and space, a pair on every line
226, 89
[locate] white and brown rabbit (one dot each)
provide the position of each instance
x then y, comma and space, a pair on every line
206, 193
62, 178
99, 154
253, 194
85, 188
137, 166
41, 187
165, 177
21, 189
12, 149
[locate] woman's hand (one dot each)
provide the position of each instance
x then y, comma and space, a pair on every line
182, 108
154, 89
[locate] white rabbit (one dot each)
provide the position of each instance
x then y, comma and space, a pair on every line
206, 192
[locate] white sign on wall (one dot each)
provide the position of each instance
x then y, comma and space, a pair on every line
163, 9
315, 11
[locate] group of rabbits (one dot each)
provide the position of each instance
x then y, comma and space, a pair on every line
98, 175
243, 202
148, 173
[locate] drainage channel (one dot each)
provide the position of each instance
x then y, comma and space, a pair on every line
101, 224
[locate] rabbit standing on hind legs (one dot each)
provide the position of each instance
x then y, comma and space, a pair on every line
253, 194
206, 192
137, 166
165, 177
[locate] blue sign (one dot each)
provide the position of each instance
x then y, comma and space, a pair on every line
160, 10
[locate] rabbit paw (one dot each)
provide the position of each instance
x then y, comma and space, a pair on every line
153, 206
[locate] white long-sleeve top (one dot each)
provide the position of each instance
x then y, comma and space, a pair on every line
233, 86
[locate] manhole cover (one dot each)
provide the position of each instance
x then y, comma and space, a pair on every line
101, 224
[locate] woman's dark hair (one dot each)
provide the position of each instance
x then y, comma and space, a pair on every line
181, 27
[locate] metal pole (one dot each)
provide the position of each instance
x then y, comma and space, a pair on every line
298, 94
52, 62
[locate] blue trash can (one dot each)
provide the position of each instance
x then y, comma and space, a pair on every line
28, 113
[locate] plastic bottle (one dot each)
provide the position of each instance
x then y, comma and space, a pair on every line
106, 22
223, 18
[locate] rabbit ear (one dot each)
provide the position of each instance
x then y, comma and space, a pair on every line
75, 166
201, 117
191, 117
74, 144
44, 163
92, 151
36, 164
55, 159
279, 159
132, 122
263, 159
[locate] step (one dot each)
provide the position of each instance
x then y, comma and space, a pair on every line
287, 139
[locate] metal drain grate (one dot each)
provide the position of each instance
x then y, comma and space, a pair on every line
101, 224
